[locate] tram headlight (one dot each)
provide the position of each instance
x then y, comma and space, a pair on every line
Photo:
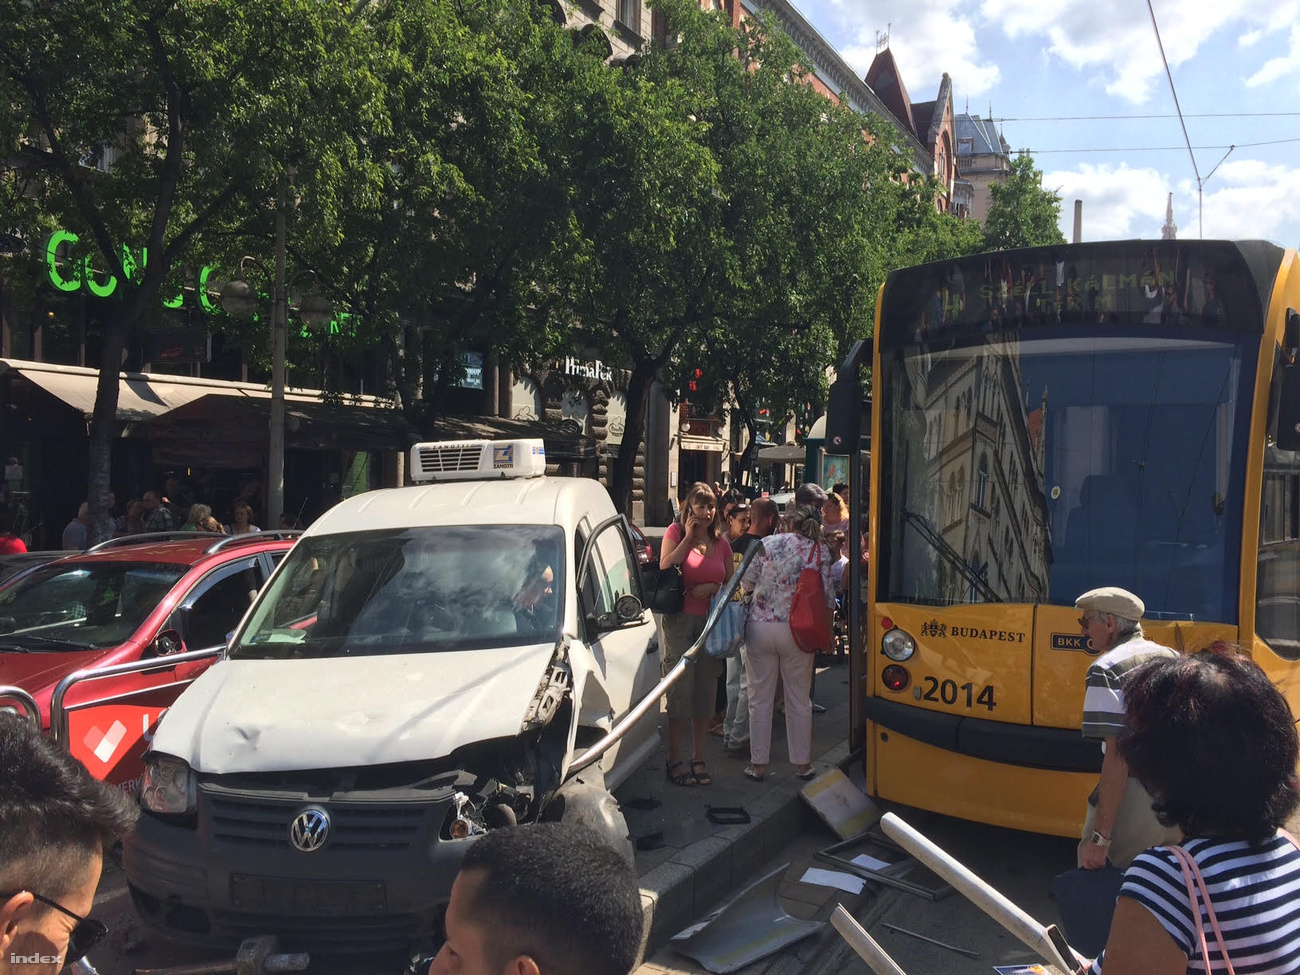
897, 645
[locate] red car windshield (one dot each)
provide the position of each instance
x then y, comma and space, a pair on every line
88, 605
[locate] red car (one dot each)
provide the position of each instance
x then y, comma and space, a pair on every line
644, 552
126, 600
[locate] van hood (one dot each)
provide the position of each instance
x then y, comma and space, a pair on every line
339, 712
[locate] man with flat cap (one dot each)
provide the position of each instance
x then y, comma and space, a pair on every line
1120, 823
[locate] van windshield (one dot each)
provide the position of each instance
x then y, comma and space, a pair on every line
410, 590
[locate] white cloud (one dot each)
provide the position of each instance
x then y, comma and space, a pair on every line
927, 37
1114, 37
1246, 198
1113, 41
1279, 67
1118, 201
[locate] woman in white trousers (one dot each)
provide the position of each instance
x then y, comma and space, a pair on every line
771, 650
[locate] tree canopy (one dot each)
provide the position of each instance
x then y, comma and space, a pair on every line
139, 127
472, 177
1023, 214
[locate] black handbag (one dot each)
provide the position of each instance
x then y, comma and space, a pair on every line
1086, 901
664, 589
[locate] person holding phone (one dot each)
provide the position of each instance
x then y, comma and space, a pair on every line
696, 543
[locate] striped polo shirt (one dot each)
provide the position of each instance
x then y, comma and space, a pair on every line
1103, 699
1255, 891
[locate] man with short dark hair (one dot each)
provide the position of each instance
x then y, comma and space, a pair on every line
542, 899
763, 518
157, 513
76, 531
56, 820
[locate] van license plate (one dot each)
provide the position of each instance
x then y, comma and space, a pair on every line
285, 895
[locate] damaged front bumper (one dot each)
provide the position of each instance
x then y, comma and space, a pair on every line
331, 862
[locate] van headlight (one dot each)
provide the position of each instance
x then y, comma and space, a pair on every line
897, 645
168, 786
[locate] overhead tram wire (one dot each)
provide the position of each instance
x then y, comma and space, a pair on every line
1235, 145
1200, 183
1118, 118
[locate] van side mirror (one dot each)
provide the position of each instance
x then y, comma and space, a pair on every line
1288, 410
1291, 333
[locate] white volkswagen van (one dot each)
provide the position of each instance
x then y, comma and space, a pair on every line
428, 663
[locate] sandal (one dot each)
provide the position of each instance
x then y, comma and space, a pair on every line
749, 773
684, 779
807, 775
700, 772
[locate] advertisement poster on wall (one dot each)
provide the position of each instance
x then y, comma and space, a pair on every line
834, 469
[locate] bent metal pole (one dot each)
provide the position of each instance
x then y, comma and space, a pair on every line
1047, 942
865, 945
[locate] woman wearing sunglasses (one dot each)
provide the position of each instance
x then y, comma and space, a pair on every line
55, 823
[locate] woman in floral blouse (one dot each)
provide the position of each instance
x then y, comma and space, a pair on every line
773, 576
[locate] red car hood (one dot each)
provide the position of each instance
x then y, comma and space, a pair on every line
39, 671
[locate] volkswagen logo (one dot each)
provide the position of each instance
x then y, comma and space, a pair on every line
309, 829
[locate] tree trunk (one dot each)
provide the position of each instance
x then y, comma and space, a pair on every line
638, 395
103, 426
746, 462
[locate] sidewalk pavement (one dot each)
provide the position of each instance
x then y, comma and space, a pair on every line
701, 864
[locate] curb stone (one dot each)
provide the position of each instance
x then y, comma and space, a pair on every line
698, 877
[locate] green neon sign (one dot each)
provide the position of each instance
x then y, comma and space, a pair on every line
83, 272
52, 245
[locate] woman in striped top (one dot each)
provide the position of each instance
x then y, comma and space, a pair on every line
1215, 743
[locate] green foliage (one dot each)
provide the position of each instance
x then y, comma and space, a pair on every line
737, 248
203, 104
465, 178
1023, 214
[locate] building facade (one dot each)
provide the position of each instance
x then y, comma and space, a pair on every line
983, 159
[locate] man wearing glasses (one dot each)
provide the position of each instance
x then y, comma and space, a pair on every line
56, 820
1119, 823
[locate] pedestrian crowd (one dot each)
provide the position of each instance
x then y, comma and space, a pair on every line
770, 672
170, 509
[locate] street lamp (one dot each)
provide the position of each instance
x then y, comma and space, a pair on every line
240, 299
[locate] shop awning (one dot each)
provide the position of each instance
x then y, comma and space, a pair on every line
211, 422
785, 454
140, 397
229, 429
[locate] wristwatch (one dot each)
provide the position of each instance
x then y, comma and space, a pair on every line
1099, 840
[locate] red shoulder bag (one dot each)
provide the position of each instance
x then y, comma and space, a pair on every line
810, 620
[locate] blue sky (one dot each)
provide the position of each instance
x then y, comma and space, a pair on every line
1068, 58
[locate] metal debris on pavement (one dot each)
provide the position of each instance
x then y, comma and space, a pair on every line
969, 953
1046, 942
840, 804
863, 944
890, 873
750, 926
